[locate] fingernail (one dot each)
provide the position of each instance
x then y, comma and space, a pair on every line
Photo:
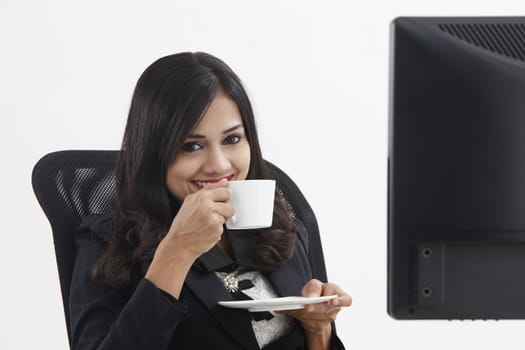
335, 302
311, 295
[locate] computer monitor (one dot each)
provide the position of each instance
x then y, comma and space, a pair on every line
456, 204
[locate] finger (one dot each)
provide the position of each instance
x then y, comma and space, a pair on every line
322, 308
300, 314
333, 289
312, 288
330, 288
226, 210
219, 219
324, 313
342, 300
216, 194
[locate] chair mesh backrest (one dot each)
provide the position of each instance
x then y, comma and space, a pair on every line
70, 185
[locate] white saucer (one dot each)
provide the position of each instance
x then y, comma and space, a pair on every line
275, 304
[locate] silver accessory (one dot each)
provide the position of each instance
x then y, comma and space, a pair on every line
231, 283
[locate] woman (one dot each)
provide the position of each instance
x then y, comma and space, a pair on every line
150, 276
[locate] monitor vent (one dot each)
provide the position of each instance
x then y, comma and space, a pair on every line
507, 39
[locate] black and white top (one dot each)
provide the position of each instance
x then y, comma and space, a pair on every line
266, 331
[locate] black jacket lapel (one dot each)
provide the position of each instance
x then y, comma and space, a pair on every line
209, 290
290, 278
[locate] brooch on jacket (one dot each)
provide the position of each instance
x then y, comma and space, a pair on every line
231, 283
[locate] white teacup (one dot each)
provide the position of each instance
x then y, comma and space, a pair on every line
253, 204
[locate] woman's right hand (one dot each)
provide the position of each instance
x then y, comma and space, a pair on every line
198, 225
196, 228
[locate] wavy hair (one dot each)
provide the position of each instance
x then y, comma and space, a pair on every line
169, 100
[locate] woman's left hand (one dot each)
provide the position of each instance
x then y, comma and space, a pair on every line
316, 318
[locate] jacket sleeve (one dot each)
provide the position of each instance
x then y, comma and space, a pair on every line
105, 318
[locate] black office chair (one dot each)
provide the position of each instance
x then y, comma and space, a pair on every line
70, 185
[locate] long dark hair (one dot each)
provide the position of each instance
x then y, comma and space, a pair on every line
169, 99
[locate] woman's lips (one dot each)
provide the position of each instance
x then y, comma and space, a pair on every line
201, 183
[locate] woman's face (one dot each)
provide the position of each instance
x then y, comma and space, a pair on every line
216, 149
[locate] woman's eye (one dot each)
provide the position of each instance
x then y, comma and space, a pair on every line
232, 139
191, 147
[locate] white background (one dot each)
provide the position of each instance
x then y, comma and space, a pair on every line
317, 73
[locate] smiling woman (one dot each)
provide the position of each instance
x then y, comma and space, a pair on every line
217, 149
151, 274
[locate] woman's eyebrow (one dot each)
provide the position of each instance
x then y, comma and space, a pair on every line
199, 136
232, 128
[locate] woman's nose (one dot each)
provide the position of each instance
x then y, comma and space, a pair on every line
217, 162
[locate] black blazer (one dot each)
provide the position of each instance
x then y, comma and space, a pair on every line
144, 317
